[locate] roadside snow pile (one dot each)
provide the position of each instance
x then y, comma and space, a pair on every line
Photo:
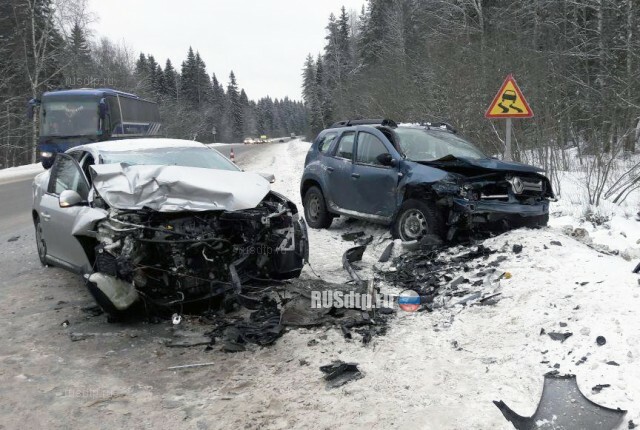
20, 171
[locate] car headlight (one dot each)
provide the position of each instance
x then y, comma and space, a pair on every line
46, 154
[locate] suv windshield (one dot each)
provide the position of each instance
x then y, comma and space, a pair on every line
420, 144
189, 157
69, 118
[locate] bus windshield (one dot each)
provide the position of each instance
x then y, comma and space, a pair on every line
69, 118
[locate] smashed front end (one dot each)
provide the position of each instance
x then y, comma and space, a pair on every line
488, 200
501, 201
170, 258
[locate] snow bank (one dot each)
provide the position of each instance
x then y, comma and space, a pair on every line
20, 172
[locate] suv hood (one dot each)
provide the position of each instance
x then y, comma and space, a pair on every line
460, 164
177, 188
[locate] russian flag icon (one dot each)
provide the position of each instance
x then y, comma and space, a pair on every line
409, 301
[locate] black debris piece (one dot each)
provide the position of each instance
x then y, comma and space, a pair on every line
364, 241
563, 324
637, 269
556, 243
556, 366
601, 340
350, 256
581, 361
632, 425
352, 236
312, 342
386, 254
599, 387
94, 311
13, 239
386, 311
612, 363
563, 406
542, 331
303, 362
262, 328
517, 248
582, 284
65, 323
340, 373
560, 336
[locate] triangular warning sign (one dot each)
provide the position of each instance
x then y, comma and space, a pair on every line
509, 102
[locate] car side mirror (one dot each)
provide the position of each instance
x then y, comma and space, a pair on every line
387, 160
69, 198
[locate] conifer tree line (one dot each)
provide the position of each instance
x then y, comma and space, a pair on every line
47, 45
577, 62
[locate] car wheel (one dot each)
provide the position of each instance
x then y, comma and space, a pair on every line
40, 243
416, 219
315, 209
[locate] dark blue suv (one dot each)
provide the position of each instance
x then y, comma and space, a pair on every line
420, 179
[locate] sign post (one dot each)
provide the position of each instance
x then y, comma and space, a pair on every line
509, 103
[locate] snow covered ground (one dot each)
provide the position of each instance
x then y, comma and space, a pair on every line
442, 370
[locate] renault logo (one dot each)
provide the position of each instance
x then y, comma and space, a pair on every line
516, 185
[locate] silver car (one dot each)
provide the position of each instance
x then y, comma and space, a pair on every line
165, 222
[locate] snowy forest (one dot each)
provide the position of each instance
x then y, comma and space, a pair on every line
577, 62
47, 44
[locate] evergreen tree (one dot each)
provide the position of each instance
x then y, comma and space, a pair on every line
80, 64
170, 81
235, 109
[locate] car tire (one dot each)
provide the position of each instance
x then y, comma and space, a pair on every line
40, 242
315, 209
417, 219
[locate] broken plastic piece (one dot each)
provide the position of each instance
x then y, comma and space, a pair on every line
563, 406
560, 336
350, 256
339, 373
386, 254
601, 340
176, 319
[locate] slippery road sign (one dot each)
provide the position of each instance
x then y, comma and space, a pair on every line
509, 102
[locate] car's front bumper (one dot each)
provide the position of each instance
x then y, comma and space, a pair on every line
497, 214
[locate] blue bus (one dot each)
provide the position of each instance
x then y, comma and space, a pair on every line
74, 117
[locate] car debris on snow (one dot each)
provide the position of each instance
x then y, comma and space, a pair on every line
340, 373
563, 406
601, 340
560, 336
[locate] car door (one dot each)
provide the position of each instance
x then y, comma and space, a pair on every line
57, 222
375, 185
339, 167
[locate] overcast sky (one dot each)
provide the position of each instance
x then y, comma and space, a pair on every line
264, 42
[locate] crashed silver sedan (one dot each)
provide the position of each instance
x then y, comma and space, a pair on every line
163, 222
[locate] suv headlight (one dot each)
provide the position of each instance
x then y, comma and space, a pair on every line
46, 154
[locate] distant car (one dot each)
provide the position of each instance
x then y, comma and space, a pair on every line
280, 140
163, 221
420, 179
248, 141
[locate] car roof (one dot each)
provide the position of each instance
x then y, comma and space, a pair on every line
135, 145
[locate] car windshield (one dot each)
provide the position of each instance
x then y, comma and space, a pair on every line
206, 158
429, 145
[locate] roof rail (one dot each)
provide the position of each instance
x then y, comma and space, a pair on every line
444, 125
352, 122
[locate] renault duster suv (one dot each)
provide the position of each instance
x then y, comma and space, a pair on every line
420, 179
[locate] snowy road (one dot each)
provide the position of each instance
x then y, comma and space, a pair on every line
438, 370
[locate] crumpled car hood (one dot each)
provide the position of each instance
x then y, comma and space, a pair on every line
177, 188
485, 163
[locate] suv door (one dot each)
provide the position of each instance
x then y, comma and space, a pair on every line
375, 185
57, 222
339, 167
